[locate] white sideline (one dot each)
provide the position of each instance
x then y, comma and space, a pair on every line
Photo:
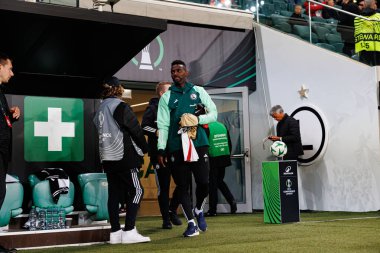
358, 218
64, 245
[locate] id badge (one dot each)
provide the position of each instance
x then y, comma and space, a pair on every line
9, 123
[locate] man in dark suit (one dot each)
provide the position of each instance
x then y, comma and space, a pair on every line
288, 131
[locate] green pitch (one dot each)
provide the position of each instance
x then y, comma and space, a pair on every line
317, 232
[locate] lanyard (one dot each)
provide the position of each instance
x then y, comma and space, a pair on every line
9, 123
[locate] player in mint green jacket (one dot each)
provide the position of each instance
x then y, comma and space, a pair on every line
183, 97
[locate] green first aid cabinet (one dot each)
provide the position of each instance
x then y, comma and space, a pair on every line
280, 189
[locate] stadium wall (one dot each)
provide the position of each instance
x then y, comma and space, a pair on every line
345, 175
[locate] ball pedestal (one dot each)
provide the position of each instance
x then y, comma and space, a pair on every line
280, 189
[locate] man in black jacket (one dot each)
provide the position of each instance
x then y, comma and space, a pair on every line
7, 117
122, 146
163, 174
296, 18
288, 131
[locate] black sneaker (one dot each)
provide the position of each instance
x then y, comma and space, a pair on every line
233, 207
166, 224
174, 218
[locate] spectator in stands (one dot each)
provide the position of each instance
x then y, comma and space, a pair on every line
296, 18
315, 9
328, 13
346, 26
360, 4
367, 33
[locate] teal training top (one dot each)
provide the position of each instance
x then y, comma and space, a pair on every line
175, 102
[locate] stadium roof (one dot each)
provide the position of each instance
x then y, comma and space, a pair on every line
59, 50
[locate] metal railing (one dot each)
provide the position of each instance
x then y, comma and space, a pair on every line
333, 8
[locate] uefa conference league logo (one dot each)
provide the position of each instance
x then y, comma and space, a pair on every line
53, 129
146, 60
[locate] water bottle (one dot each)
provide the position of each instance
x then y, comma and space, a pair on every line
49, 216
33, 219
55, 218
41, 225
62, 218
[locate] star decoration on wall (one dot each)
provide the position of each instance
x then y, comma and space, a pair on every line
304, 93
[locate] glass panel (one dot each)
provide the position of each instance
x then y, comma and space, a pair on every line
230, 113
74, 3
233, 4
329, 28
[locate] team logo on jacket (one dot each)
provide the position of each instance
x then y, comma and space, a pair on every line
53, 129
193, 96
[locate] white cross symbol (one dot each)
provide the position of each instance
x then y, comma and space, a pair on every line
54, 129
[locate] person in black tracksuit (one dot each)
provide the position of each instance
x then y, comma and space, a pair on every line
288, 131
122, 146
163, 174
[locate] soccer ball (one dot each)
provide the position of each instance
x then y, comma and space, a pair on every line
278, 149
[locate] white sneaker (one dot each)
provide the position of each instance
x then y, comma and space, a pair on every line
115, 237
133, 236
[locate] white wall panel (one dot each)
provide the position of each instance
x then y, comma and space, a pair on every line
347, 177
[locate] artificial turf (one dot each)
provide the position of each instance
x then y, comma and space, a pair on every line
317, 232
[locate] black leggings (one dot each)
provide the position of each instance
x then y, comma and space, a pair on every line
217, 182
126, 182
163, 177
181, 172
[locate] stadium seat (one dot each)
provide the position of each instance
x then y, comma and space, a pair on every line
301, 30
314, 38
278, 19
333, 38
295, 36
318, 19
42, 195
285, 27
279, 5
291, 7
326, 46
332, 21
338, 47
267, 9
94, 188
13, 201
321, 33
304, 33
285, 13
